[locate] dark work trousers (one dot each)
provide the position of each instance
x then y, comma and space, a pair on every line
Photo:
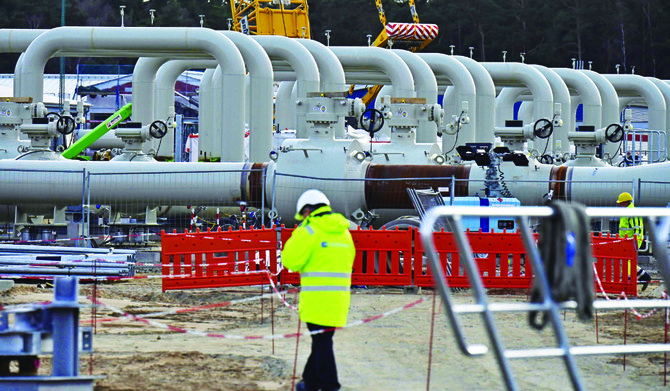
320, 371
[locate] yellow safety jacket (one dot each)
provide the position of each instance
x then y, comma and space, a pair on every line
322, 250
629, 226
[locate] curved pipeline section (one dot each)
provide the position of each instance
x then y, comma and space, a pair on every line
425, 86
157, 41
559, 139
588, 95
164, 103
486, 99
260, 92
302, 62
331, 74
610, 104
464, 91
355, 58
636, 85
515, 74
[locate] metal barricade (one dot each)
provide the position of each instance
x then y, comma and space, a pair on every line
563, 349
644, 146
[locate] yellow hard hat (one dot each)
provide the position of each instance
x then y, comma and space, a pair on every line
624, 197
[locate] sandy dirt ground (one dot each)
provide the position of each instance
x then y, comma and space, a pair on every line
391, 353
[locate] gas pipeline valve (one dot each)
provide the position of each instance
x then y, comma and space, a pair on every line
587, 138
457, 121
401, 113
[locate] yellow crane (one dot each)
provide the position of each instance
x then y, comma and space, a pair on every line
271, 17
410, 36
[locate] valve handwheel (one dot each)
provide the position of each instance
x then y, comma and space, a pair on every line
158, 129
374, 124
65, 125
543, 128
614, 133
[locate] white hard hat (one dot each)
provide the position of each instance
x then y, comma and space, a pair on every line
310, 197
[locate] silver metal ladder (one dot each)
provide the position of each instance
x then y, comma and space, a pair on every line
563, 349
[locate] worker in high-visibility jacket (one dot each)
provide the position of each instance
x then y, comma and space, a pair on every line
322, 250
629, 227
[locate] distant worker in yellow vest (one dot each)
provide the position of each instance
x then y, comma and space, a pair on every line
322, 250
629, 227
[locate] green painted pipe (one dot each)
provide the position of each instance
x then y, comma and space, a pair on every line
108, 124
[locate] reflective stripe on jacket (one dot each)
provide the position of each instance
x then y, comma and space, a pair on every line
630, 226
322, 250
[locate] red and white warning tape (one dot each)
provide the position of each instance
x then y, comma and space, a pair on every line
623, 296
247, 337
186, 310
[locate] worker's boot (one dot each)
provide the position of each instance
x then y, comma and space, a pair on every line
643, 278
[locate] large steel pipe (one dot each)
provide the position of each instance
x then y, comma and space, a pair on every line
155, 42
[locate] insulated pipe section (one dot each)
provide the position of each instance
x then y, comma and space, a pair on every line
260, 93
353, 58
302, 62
386, 185
425, 86
561, 94
486, 98
144, 79
610, 105
285, 112
164, 102
505, 102
588, 95
331, 74
464, 91
515, 74
206, 111
17, 40
145, 183
599, 186
116, 41
626, 85
665, 90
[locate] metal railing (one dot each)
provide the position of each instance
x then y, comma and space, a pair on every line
563, 349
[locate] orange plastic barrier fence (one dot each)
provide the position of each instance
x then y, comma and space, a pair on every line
382, 258
215, 259
613, 255
394, 257
500, 258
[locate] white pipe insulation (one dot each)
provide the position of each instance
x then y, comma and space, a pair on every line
206, 112
355, 58
144, 84
331, 74
302, 62
164, 102
635, 85
17, 41
516, 74
260, 93
284, 108
150, 183
610, 105
559, 138
665, 90
486, 98
159, 42
464, 91
504, 107
425, 86
588, 93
